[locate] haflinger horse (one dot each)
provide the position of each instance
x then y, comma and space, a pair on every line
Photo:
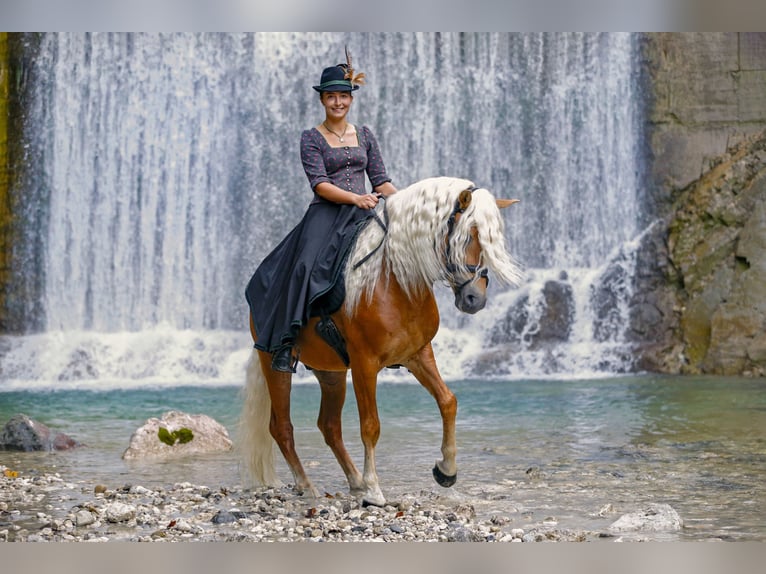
438, 230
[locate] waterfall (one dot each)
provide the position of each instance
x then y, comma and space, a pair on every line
170, 166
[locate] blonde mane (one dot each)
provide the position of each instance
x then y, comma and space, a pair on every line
413, 248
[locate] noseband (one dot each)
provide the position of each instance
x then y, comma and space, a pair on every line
450, 266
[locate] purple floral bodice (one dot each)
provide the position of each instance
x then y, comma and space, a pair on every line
342, 166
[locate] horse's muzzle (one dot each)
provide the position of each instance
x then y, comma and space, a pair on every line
470, 298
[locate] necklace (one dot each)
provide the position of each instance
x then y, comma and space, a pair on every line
339, 136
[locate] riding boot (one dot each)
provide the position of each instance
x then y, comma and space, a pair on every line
282, 360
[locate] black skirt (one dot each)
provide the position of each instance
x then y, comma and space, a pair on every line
303, 276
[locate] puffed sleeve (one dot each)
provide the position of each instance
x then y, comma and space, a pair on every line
376, 170
311, 157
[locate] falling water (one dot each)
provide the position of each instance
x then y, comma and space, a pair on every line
167, 166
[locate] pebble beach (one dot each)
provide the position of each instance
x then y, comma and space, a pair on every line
48, 508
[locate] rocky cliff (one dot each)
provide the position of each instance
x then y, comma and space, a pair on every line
700, 303
5, 206
717, 246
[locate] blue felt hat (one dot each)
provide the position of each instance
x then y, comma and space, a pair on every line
334, 80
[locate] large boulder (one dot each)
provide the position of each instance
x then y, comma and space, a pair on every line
176, 435
24, 434
548, 319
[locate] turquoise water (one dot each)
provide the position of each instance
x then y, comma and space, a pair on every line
552, 451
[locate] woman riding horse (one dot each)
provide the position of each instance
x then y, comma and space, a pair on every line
298, 279
372, 284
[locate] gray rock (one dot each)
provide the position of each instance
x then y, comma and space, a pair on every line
653, 518
119, 512
84, 518
207, 436
225, 516
463, 534
550, 323
24, 434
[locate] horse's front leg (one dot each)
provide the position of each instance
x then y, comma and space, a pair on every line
423, 367
333, 385
365, 378
280, 425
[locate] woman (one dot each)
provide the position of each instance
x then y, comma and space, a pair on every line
301, 278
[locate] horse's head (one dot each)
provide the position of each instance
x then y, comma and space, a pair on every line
438, 229
466, 275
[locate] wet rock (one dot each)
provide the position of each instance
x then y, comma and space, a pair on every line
608, 297
463, 534
24, 434
119, 512
653, 518
84, 518
177, 434
537, 320
225, 516
80, 367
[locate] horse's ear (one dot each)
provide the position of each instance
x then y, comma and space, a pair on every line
501, 203
464, 199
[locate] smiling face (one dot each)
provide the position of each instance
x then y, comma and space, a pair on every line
336, 104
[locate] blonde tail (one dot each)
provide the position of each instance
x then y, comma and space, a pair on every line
256, 443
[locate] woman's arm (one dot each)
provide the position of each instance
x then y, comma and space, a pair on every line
385, 189
376, 169
333, 193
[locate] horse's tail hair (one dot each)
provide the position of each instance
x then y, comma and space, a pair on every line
256, 444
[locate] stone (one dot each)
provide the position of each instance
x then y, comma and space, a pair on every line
538, 320
225, 517
24, 434
463, 534
84, 518
119, 512
207, 436
653, 518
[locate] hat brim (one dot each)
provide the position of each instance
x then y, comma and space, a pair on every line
321, 89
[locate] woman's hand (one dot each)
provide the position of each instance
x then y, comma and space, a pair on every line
367, 201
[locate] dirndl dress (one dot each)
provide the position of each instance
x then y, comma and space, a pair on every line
303, 276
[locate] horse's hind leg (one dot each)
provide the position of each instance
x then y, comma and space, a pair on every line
423, 367
333, 385
281, 427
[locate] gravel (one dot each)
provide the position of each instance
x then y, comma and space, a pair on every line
46, 507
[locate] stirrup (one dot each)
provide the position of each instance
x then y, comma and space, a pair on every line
282, 360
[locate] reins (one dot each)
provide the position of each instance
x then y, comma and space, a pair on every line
383, 226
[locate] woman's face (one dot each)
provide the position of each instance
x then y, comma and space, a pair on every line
336, 104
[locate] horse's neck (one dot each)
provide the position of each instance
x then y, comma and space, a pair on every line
389, 288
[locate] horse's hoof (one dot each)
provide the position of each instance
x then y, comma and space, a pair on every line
373, 499
443, 479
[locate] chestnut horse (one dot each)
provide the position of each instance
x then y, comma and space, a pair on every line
438, 229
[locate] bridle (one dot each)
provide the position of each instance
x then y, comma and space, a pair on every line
450, 266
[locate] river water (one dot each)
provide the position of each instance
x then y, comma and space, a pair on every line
574, 453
